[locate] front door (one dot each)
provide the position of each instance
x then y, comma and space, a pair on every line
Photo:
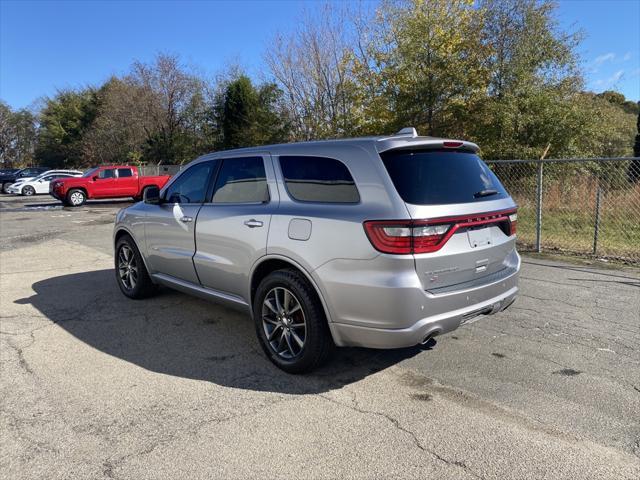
170, 226
233, 226
104, 183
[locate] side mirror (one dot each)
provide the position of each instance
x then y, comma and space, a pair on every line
151, 195
95, 178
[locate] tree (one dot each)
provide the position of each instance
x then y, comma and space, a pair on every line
421, 65
64, 121
6, 136
120, 129
167, 92
248, 116
158, 113
17, 136
619, 99
533, 83
311, 68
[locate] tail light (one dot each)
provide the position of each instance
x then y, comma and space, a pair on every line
404, 237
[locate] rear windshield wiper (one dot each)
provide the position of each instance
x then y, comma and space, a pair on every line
485, 193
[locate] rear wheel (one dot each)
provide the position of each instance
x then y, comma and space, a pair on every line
28, 190
131, 273
290, 322
141, 197
76, 197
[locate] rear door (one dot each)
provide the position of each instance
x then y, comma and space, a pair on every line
462, 232
232, 227
127, 182
170, 226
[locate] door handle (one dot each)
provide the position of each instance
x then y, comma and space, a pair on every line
186, 219
253, 223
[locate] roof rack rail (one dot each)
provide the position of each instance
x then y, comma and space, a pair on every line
406, 132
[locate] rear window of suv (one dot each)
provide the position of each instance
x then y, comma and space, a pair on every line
437, 177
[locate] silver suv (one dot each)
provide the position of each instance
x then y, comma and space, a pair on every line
380, 242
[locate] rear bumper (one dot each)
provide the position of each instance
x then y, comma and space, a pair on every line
402, 314
357, 336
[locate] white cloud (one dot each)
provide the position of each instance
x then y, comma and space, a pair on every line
607, 57
610, 81
627, 57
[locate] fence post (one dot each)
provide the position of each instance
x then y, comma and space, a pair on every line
539, 208
596, 226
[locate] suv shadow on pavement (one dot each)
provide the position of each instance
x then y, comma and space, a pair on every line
179, 335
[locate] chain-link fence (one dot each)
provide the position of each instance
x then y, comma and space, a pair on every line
148, 170
589, 207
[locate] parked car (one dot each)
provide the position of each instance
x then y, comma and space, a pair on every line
6, 171
40, 184
105, 182
379, 242
6, 180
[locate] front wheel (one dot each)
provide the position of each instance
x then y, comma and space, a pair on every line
28, 191
76, 198
290, 322
131, 273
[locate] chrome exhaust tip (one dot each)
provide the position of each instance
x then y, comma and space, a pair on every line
429, 337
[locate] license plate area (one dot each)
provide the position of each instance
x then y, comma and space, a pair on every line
479, 237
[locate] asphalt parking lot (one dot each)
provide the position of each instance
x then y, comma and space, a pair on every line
94, 385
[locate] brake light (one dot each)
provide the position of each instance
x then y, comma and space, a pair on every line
404, 237
451, 144
389, 237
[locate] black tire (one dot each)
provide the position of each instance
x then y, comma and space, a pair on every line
5, 186
28, 190
76, 197
318, 343
143, 286
141, 197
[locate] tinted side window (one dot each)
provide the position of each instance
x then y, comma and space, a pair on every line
109, 173
241, 180
124, 172
318, 179
191, 186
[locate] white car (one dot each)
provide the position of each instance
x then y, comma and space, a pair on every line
40, 184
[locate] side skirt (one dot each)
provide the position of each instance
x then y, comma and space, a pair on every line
227, 299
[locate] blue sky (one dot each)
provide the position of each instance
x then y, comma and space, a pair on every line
47, 45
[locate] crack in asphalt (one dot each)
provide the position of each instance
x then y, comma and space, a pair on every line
396, 423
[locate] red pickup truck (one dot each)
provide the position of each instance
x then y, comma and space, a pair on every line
114, 181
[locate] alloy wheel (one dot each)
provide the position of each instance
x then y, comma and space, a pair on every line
284, 323
127, 267
77, 198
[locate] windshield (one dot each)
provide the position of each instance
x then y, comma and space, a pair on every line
90, 172
437, 177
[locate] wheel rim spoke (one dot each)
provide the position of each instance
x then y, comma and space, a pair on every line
285, 333
297, 339
270, 306
294, 309
127, 267
287, 337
